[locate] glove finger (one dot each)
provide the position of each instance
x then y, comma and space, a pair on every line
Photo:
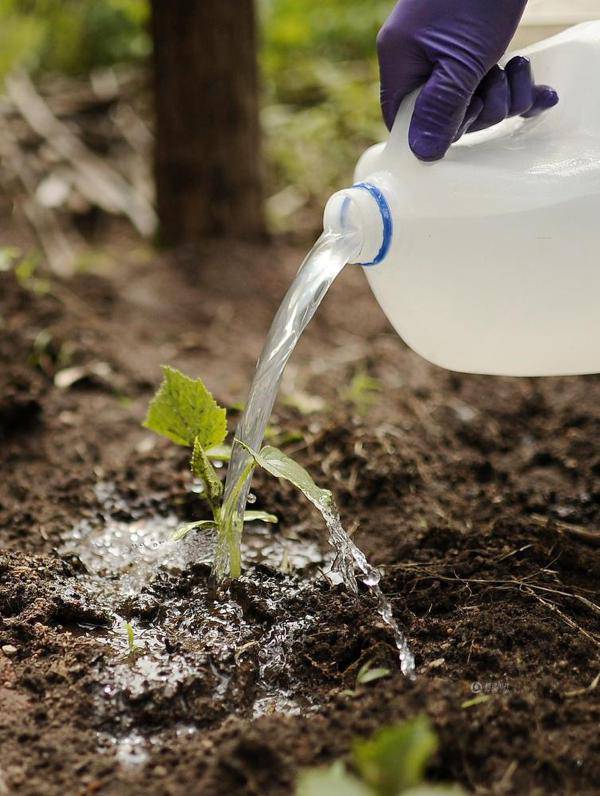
440, 109
520, 83
472, 116
399, 72
544, 97
390, 102
495, 95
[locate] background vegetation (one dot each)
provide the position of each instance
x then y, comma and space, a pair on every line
320, 107
321, 88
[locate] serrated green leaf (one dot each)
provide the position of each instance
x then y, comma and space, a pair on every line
332, 781
202, 468
368, 675
278, 464
183, 531
395, 758
183, 410
260, 516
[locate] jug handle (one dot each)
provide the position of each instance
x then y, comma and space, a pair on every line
398, 140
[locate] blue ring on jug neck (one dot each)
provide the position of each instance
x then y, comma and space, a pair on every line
386, 218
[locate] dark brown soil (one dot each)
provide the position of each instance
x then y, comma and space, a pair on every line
477, 496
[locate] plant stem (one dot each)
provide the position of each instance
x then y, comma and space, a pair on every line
231, 524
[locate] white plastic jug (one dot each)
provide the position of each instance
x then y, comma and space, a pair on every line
489, 260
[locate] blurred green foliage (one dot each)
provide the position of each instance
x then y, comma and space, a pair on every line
338, 29
71, 36
321, 90
318, 62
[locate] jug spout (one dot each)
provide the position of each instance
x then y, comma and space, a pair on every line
362, 209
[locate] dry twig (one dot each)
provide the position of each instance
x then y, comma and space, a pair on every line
94, 178
587, 534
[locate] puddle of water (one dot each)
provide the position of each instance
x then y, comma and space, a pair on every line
269, 705
132, 750
125, 552
285, 553
134, 550
130, 549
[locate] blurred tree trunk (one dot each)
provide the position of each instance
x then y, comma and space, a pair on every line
207, 161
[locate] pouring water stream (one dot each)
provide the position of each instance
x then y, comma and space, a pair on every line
316, 274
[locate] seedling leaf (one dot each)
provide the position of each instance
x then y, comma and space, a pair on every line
183, 410
278, 464
219, 453
368, 675
202, 468
395, 759
478, 700
183, 531
260, 516
332, 781
134, 649
362, 392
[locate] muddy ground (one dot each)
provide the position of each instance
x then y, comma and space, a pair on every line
478, 497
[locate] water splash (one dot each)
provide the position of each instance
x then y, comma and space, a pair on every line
316, 274
349, 560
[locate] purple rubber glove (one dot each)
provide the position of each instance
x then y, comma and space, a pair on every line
453, 46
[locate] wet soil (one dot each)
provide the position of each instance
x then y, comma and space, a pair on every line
478, 497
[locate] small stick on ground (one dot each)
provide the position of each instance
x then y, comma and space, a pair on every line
567, 619
587, 534
582, 691
97, 181
59, 253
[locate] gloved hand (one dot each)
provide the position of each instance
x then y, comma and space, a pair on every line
452, 46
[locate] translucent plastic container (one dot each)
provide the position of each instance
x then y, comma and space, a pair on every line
489, 260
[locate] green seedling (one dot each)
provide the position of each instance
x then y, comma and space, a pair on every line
184, 411
481, 699
392, 763
362, 392
332, 781
133, 648
366, 674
